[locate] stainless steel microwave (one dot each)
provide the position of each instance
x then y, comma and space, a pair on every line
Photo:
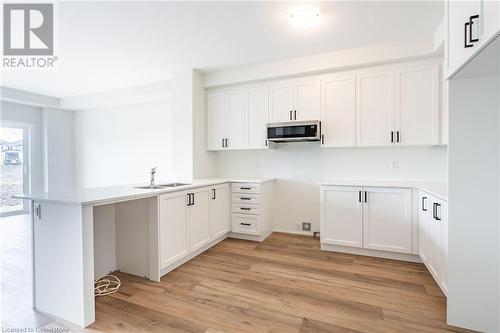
294, 131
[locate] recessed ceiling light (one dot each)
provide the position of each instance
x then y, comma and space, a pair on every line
304, 17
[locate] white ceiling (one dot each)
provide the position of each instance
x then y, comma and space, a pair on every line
110, 45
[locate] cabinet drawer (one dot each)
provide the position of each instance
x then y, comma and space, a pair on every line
246, 188
246, 224
246, 208
246, 198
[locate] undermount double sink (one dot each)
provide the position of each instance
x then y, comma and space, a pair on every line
160, 186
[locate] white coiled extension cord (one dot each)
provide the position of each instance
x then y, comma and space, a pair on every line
106, 285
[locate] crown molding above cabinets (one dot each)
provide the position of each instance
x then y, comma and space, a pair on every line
390, 105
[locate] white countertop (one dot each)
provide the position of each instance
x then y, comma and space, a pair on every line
439, 190
105, 195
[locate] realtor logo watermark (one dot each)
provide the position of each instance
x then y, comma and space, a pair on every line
28, 35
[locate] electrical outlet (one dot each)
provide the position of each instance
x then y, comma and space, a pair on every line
395, 164
306, 226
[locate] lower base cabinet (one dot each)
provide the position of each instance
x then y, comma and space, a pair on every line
433, 237
377, 218
190, 220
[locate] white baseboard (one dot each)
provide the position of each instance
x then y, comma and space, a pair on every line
304, 233
370, 252
249, 237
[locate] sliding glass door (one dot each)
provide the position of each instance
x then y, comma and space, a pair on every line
15, 166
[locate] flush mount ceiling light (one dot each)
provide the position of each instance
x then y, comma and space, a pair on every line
304, 17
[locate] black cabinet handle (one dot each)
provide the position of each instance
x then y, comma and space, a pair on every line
245, 188
434, 211
213, 194
245, 223
243, 198
366, 196
424, 208
397, 137
392, 136
227, 144
265, 143
322, 139
222, 143
245, 208
295, 114
359, 196
290, 114
438, 218
189, 199
468, 40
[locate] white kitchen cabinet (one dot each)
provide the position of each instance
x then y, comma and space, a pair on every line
424, 214
375, 108
306, 99
433, 237
367, 217
387, 219
216, 120
236, 137
173, 227
435, 261
458, 14
219, 211
342, 216
417, 116
281, 102
226, 120
198, 218
444, 221
296, 99
465, 39
338, 111
258, 116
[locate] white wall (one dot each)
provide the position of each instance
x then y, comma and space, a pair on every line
58, 142
300, 167
119, 145
31, 115
473, 236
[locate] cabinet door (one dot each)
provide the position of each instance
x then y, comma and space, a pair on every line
258, 117
173, 227
459, 12
341, 216
216, 120
387, 218
338, 113
444, 221
417, 106
374, 108
198, 217
281, 102
236, 120
306, 100
436, 241
423, 227
219, 211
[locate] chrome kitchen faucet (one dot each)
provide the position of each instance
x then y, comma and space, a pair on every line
153, 171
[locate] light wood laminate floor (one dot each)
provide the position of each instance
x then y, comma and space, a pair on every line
285, 284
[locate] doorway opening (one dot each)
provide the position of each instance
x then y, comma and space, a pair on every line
15, 175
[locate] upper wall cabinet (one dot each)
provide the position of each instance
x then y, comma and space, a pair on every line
297, 99
470, 25
375, 108
338, 114
391, 105
417, 116
236, 118
398, 106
